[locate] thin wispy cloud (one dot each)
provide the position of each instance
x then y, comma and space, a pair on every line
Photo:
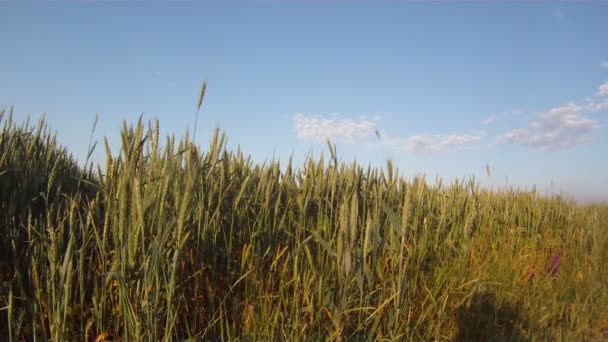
347, 130
432, 143
492, 118
603, 89
598, 106
604, 65
557, 129
318, 128
489, 119
425, 144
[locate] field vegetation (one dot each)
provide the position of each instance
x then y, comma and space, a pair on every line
170, 241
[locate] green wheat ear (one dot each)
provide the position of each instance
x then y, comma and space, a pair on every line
200, 97
198, 108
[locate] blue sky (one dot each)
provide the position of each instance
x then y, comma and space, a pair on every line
451, 87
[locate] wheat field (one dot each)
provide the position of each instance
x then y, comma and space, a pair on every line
171, 241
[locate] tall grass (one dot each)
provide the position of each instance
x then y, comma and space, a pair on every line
167, 242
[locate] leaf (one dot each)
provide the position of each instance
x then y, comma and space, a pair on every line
67, 260
359, 279
324, 244
392, 217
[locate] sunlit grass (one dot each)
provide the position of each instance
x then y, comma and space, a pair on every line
168, 241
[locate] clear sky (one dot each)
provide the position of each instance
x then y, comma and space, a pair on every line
450, 87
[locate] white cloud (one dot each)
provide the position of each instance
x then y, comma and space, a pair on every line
334, 128
604, 64
432, 143
345, 130
559, 128
603, 89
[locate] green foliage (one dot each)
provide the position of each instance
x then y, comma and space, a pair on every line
168, 242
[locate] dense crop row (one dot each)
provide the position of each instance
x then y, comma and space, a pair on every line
168, 241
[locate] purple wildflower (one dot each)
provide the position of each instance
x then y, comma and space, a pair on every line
555, 264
